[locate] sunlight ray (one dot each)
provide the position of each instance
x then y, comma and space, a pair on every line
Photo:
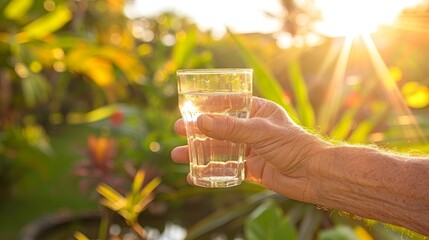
391, 90
417, 23
331, 105
332, 54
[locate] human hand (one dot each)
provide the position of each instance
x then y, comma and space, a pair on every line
280, 154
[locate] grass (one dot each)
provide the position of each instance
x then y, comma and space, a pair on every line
55, 189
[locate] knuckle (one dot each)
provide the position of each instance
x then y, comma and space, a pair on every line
248, 131
231, 129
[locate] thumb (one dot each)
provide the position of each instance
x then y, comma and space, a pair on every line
223, 127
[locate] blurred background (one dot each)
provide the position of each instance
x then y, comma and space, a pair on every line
88, 95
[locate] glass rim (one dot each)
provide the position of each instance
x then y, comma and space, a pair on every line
213, 71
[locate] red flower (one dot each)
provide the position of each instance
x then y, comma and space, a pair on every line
116, 118
102, 151
353, 99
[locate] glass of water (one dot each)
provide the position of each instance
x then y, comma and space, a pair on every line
223, 91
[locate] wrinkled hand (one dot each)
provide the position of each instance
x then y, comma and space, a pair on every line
280, 153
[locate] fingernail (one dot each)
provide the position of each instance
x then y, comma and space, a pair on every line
207, 123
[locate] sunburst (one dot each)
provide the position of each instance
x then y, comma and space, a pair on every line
351, 20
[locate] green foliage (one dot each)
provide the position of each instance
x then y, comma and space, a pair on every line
266, 84
267, 221
61, 65
299, 87
223, 216
22, 150
35, 89
367, 126
338, 233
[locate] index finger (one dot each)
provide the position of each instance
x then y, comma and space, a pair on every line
179, 127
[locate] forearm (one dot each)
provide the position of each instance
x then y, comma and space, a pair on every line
376, 185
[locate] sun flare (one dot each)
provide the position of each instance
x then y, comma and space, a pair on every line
351, 21
357, 17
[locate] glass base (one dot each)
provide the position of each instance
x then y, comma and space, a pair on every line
217, 182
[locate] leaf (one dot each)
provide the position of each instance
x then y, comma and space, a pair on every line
29, 93
309, 223
140, 205
338, 233
100, 113
138, 181
109, 193
216, 220
104, 228
36, 135
99, 70
150, 187
17, 8
46, 24
362, 233
224, 216
362, 131
268, 222
266, 83
126, 61
185, 43
304, 107
343, 127
98, 63
80, 236
114, 205
35, 89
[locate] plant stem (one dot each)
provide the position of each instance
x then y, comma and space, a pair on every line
137, 228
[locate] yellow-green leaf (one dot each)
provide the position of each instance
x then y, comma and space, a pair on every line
138, 181
80, 236
99, 70
342, 129
304, 107
114, 205
364, 128
46, 24
17, 8
138, 207
150, 187
124, 60
127, 215
184, 46
362, 233
100, 113
109, 193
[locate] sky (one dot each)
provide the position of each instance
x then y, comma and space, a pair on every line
240, 16
340, 17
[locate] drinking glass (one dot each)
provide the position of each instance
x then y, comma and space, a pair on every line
221, 91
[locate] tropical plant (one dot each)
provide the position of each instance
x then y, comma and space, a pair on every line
129, 206
22, 150
44, 60
268, 221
